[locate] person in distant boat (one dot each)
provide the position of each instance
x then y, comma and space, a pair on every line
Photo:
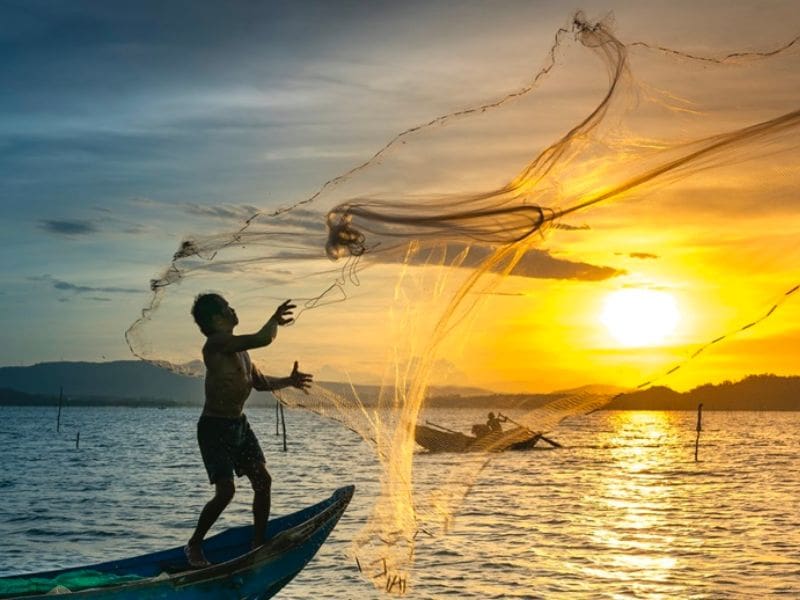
494, 422
227, 443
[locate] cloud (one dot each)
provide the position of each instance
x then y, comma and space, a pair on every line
535, 263
68, 227
226, 211
540, 264
568, 227
82, 227
643, 255
312, 222
65, 286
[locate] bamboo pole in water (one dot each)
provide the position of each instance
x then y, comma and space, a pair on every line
283, 422
699, 429
60, 400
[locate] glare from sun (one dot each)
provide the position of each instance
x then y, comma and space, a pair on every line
639, 317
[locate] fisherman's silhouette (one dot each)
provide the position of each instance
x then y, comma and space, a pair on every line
227, 443
493, 425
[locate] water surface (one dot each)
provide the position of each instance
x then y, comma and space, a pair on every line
623, 511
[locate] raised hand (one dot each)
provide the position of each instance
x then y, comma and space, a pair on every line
300, 380
283, 314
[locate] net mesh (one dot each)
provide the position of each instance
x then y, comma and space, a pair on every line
72, 581
400, 264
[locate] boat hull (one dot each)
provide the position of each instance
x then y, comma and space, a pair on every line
435, 440
238, 573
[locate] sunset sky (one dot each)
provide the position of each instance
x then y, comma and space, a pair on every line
126, 126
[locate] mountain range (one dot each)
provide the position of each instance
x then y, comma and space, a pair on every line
131, 383
136, 383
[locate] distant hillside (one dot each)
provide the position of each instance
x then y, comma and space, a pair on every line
756, 392
132, 382
125, 379
136, 383
15, 398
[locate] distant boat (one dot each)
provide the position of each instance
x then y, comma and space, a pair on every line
238, 573
441, 439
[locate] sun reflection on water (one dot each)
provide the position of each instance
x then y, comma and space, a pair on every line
636, 498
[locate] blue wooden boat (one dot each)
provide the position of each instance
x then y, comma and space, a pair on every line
237, 572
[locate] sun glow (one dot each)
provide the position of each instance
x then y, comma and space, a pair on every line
637, 317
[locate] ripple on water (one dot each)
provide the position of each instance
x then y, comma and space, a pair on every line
624, 511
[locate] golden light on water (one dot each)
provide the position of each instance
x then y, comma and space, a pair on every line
637, 498
640, 317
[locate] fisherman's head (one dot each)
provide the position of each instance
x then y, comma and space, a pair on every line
213, 314
491, 415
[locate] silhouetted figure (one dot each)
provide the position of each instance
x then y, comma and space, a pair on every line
227, 443
494, 423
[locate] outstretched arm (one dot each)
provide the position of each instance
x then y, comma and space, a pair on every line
229, 344
297, 379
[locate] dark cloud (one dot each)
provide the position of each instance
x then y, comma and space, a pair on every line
536, 264
99, 299
540, 264
643, 255
83, 227
65, 286
568, 227
68, 227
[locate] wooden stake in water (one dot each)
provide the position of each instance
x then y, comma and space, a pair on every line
277, 416
78, 439
283, 422
699, 429
60, 400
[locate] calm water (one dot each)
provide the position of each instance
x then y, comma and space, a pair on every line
623, 512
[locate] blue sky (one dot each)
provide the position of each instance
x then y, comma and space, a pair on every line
126, 125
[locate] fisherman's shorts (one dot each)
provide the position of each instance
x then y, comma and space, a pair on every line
227, 446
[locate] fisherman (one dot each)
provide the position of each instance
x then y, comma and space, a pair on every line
227, 443
493, 422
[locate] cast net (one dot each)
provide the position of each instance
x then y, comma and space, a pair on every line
428, 266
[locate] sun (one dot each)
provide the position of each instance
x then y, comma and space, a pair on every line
638, 317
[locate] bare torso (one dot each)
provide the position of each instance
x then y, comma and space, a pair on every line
228, 383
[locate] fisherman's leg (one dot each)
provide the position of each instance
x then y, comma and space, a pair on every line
262, 485
224, 491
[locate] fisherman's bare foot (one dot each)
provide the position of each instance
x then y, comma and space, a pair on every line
195, 557
256, 544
